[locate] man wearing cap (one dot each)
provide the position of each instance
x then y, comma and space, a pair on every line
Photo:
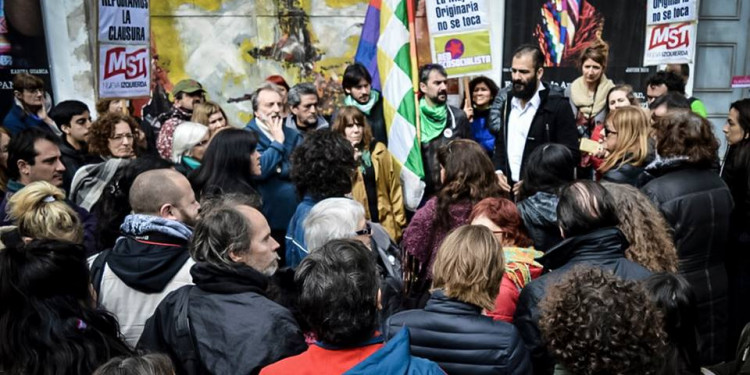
187, 93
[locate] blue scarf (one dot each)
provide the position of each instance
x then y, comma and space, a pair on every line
139, 225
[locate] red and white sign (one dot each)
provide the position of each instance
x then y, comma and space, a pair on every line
124, 71
670, 43
740, 82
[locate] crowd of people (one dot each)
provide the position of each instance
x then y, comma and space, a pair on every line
561, 231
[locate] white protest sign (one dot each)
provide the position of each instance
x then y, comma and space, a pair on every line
671, 11
124, 71
124, 21
456, 16
672, 43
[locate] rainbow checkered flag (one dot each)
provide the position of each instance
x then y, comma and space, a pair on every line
396, 70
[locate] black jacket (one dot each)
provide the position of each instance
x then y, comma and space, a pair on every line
736, 174
604, 249
460, 339
73, 159
539, 215
553, 122
697, 204
222, 325
456, 126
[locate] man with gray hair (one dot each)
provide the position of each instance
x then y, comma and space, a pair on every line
342, 218
151, 258
275, 145
226, 323
303, 100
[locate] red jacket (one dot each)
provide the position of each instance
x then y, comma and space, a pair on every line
520, 269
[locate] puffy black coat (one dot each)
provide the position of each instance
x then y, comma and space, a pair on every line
222, 325
697, 204
624, 174
604, 249
457, 126
553, 122
460, 339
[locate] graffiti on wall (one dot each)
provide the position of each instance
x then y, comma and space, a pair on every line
230, 46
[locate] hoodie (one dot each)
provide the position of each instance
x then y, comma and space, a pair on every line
148, 262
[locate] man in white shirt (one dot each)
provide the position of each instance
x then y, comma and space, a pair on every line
527, 114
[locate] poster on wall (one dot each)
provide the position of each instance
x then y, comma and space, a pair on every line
124, 22
124, 71
563, 29
123, 49
670, 43
671, 11
23, 48
460, 36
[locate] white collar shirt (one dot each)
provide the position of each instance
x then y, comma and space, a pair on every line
519, 123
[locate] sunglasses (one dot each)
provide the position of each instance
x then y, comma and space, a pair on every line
607, 131
366, 231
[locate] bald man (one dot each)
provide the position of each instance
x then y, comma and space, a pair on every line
151, 258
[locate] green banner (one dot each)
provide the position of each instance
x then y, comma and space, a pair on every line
464, 54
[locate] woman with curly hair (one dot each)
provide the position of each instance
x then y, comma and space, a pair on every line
451, 329
111, 137
647, 231
501, 216
626, 134
211, 115
467, 176
481, 95
377, 185
586, 338
323, 166
697, 205
48, 318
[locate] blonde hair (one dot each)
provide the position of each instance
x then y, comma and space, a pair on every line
469, 266
647, 231
203, 111
632, 127
40, 211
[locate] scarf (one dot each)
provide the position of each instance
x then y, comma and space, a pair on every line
365, 161
579, 94
433, 119
228, 279
139, 225
364, 108
191, 163
518, 264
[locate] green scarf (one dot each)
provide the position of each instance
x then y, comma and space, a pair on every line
433, 120
191, 163
364, 108
365, 161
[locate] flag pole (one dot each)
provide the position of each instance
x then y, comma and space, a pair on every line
410, 14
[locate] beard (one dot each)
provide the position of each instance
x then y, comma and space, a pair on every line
527, 90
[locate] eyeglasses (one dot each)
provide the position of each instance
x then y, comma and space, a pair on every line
366, 231
120, 137
607, 131
35, 91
